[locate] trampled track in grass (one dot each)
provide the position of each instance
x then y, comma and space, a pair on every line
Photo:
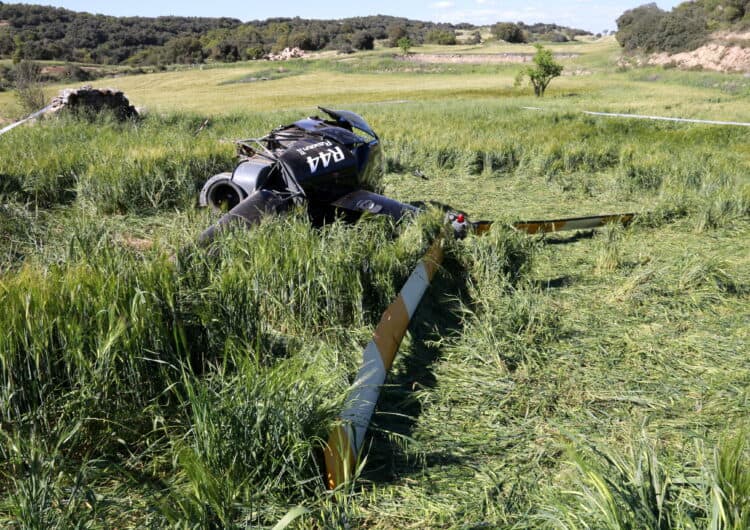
541, 376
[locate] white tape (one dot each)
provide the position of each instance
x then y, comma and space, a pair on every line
656, 118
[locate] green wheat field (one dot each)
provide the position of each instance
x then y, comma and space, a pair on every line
580, 380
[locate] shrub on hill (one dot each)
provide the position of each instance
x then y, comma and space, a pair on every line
637, 28
650, 29
49, 33
445, 37
683, 29
363, 40
508, 32
727, 11
554, 37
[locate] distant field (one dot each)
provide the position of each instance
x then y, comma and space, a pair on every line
376, 77
590, 380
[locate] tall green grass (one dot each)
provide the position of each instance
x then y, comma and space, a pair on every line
140, 167
159, 164
149, 382
199, 353
632, 488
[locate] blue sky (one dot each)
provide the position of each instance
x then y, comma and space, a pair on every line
586, 14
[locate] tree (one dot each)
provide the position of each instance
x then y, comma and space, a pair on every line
545, 69
439, 36
647, 28
508, 32
183, 50
638, 28
682, 29
19, 52
28, 81
396, 32
405, 44
363, 40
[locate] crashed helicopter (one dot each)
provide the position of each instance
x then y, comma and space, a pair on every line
334, 166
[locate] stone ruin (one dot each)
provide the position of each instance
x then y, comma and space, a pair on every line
84, 101
286, 54
88, 100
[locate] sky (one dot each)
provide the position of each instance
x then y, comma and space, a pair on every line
591, 15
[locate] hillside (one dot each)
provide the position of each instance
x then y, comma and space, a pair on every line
724, 52
51, 33
688, 26
700, 34
48, 33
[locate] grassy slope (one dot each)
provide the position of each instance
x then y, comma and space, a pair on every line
511, 391
375, 77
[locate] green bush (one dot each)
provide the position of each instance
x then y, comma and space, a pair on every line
508, 32
637, 28
28, 80
649, 29
683, 29
441, 37
363, 40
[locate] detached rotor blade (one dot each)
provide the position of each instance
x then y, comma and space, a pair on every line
346, 441
559, 225
28, 118
481, 227
573, 223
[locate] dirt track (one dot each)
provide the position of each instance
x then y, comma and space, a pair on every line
479, 58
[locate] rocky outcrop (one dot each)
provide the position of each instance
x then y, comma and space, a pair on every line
90, 100
84, 101
286, 54
714, 56
726, 52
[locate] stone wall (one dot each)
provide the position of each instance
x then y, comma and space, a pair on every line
92, 100
286, 54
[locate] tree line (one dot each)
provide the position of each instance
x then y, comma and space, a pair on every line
49, 33
32, 32
253, 40
520, 32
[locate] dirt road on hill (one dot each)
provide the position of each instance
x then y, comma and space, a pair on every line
478, 58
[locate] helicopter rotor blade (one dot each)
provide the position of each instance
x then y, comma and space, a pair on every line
27, 119
560, 225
